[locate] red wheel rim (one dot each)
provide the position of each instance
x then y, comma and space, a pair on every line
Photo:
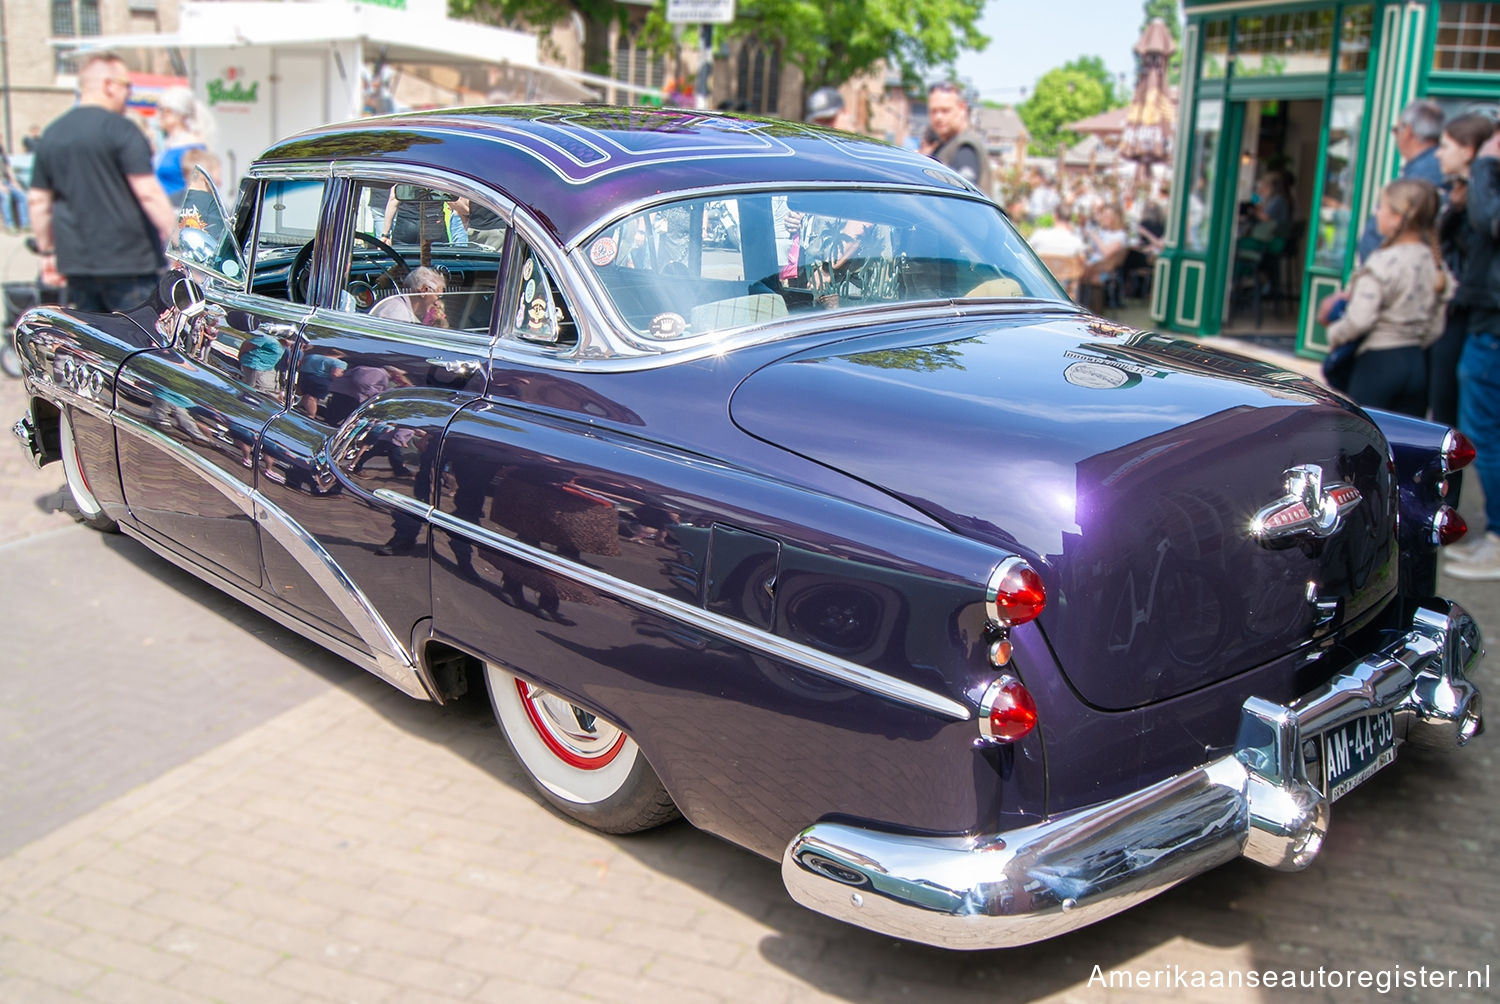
550, 736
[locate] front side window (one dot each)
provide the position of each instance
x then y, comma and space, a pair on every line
281, 252
687, 271
446, 283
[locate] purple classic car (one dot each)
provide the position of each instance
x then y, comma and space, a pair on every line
763, 475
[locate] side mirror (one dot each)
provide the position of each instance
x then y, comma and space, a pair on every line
187, 298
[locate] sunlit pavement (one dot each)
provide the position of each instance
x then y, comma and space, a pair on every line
197, 805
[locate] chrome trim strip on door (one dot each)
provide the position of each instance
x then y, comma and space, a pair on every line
802, 656
261, 605
391, 661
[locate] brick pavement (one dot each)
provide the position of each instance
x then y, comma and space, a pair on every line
243, 818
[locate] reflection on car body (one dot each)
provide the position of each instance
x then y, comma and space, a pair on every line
762, 474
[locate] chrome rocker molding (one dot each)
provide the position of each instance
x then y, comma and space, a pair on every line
387, 658
776, 647
1013, 888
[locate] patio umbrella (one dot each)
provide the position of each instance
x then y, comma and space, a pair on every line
1150, 116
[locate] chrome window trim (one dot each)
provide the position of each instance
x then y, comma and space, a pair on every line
762, 334
393, 663
726, 628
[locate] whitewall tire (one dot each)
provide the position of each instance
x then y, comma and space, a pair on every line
90, 512
581, 763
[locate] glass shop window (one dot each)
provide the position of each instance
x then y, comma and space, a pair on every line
1276, 45
1205, 152
1468, 38
1336, 207
1356, 30
1215, 50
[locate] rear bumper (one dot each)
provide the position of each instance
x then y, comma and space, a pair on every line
1263, 802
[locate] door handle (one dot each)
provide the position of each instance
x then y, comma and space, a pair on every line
458, 367
276, 329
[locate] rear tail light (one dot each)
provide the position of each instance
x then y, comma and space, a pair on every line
1448, 527
1458, 452
1014, 594
1006, 712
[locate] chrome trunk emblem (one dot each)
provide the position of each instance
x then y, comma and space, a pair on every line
1307, 507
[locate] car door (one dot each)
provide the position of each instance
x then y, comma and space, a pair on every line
190, 414
371, 393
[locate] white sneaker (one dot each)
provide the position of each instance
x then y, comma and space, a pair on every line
1469, 546
1482, 561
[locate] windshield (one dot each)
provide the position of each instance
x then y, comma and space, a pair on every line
691, 269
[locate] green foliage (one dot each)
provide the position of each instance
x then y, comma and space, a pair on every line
836, 41
544, 14
1081, 88
829, 42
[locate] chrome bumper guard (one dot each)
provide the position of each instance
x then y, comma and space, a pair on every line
1013, 888
25, 431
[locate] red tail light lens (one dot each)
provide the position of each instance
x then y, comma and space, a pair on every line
1015, 594
1448, 527
1458, 452
1007, 712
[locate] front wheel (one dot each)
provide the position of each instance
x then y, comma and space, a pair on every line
89, 511
582, 764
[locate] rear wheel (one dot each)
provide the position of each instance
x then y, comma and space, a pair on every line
89, 511
582, 764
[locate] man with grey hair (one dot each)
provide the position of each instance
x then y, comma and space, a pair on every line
422, 303
1417, 134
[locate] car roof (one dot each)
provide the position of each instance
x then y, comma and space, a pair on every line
574, 165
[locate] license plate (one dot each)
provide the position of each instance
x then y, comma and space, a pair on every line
1354, 751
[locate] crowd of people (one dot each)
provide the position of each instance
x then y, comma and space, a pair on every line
1421, 313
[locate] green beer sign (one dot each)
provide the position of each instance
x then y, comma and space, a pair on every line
229, 89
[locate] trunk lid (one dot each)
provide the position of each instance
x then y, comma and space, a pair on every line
1129, 465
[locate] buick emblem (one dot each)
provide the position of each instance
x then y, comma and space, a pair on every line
1308, 506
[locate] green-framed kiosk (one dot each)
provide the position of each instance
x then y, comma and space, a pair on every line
1308, 93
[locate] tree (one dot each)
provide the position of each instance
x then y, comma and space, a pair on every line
829, 42
544, 14
1073, 91
1169, 11
833, 42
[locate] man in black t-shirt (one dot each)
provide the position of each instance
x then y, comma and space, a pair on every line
94, 197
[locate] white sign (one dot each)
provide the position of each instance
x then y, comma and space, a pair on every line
700, 11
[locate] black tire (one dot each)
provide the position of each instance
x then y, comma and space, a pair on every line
583, 765
10, 359
85, 508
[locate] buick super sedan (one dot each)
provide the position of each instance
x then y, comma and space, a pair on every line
763, 475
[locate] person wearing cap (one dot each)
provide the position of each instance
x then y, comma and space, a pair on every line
825, 107
957, 145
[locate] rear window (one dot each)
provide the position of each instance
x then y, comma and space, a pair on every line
691, 270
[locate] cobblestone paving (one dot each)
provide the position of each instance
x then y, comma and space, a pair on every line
196, 805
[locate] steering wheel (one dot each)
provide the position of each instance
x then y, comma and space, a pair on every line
296, 274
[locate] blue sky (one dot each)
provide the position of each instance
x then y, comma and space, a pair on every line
1030, 37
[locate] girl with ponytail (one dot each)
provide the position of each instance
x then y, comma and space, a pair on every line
1397, 302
